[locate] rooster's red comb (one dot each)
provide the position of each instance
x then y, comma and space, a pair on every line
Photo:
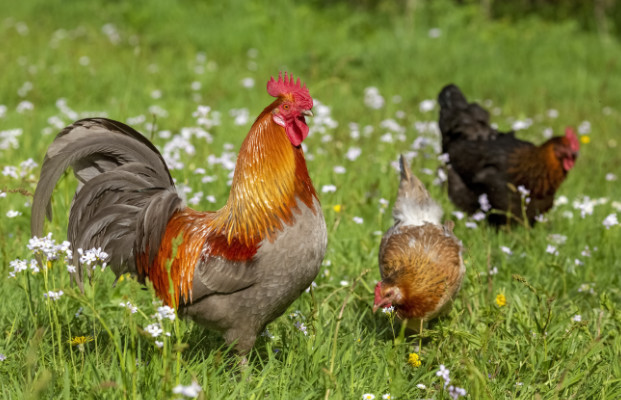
288, 86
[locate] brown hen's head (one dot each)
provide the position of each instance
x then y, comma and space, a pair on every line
385, 295
566, 149
294, 102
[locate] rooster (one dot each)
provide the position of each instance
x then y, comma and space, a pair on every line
233, 270
419, 259
490, 169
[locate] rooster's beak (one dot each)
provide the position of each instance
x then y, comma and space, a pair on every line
308, 113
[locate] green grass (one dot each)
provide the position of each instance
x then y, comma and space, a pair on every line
529, 348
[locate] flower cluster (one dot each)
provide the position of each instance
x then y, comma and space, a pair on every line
132, 308
453, 391
47, 247
165, 312
53, 295
93, 257
501, 300
414, 360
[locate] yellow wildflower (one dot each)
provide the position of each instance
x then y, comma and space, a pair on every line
414, 360
501, 300
585, 139
337, 208
80, 340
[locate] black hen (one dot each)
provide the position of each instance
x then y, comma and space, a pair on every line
486, 167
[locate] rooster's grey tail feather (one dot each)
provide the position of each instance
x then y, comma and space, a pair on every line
125, 195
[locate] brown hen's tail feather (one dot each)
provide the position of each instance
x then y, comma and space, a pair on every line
125, 194
414, 206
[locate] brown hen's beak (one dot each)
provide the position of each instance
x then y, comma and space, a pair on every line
308, 113
383, 303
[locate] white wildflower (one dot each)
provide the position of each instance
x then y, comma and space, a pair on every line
93, 257
444, 372
551, 250
478, 216
521, 124
24, 106
434, 33
300, 325
610, 221
586, 252
576, 318
192, 390
506, 250
458, 214
165, 312
548, 133
373, 99
388, 310
456, 392
557, 238
13, 214
328, 189
358, 220
267, 334
241, 116
248, 83
353, 153
524, 193
427, 105
154, 330
53, 295
584, 128
541, 218
132, 308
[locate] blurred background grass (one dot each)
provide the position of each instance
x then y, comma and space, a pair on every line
522, 57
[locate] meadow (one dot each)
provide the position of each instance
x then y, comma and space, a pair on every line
539, 313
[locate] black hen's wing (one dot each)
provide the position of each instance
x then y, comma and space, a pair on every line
481, 167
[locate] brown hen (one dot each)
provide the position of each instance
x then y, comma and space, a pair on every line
420, 259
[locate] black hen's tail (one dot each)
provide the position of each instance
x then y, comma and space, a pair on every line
462, 120
125, 194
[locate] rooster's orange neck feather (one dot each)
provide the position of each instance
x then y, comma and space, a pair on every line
270, 177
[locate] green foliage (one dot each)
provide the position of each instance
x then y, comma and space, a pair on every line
152, 54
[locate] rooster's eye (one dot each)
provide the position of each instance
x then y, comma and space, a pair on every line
286, 106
